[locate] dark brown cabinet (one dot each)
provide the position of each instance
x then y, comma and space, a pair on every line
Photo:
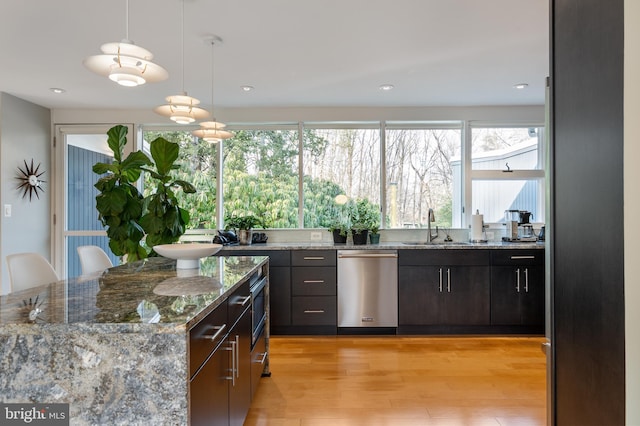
314, 290
221, 363
279, 285
443, 289
517, 288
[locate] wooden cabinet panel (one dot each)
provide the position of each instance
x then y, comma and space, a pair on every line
517, 295
444, 295
209, 400
313, 258
314, 310
280, 296
313, 281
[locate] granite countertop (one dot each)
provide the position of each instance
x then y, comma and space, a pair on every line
149, 291
492, 245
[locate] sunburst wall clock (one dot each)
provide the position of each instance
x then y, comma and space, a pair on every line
30, 181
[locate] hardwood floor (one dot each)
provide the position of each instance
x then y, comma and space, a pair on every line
394, 380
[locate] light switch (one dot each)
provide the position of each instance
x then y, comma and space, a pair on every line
7, 210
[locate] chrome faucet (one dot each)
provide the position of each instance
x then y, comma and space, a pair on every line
431, 218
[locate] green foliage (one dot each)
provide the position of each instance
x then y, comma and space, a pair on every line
247, 222
164, 221
126, 213
364, 215
119, 203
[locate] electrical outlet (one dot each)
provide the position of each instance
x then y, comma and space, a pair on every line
7, 210
316, 236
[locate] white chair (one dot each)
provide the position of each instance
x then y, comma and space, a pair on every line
28, 270
93, 259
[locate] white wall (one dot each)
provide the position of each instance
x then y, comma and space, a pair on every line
25, 134
632, 207
514, 114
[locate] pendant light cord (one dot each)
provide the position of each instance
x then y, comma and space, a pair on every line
213, 46
183, 92
126, 20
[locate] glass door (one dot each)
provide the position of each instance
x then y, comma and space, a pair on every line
76, 150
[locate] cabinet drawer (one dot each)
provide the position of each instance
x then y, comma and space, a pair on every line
444, 257
276, 257
313, 258
313, 281
517, 257
205, 336
314, 310
238, 302
259, 357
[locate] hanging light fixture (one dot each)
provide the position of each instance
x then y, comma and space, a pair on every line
125, 63
212, 131
183, 109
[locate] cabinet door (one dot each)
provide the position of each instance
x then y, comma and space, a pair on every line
420, 296
209, 398
532, 301
517, 295
505, 295
467, 295
279, 296
240, 367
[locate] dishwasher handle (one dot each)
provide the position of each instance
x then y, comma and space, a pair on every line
368, 255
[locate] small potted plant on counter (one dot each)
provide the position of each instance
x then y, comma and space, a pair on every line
243, 226
339, 229
364, 218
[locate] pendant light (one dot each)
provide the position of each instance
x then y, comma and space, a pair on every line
125, 63
183, 109
212, 131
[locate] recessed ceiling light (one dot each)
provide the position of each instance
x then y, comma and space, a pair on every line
246, 88
386, 87
520, 86
57, 90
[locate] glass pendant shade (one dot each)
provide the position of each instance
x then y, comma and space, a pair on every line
182, 109
212, 131
126, 64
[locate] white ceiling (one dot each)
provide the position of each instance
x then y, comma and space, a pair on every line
296, 53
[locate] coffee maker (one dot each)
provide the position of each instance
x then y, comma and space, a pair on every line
525, 228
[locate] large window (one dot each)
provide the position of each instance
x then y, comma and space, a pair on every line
507, 171
420, 174
339, 161
260, 175
400, 169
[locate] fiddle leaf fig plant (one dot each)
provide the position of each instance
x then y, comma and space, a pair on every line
127, 214
164, 221
119, 203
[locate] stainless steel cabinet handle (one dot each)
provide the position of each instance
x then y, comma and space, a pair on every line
448, 280
313, 281
314, 311
220, 329
440, 274
518, 280
526, 280
313, 258
232, 348
244, 301
264, 357
237, 345
522, 257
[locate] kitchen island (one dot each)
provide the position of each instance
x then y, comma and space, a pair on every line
115, 346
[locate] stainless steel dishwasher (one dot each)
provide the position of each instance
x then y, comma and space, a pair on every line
367, 288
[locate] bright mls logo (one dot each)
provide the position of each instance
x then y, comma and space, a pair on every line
34, 414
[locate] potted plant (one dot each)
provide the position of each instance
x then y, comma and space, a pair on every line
339, 229
122, 209
243, 226
364, 217
374, 233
